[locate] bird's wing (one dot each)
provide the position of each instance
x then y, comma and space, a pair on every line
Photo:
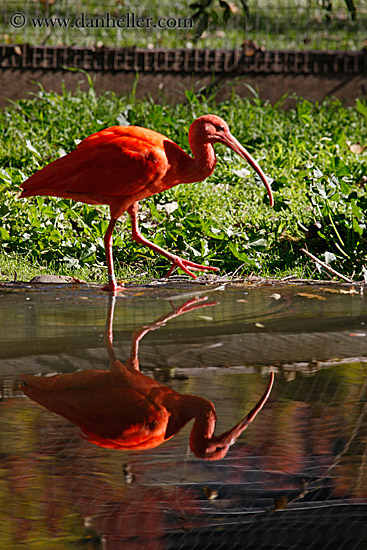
83, 379
109, 416
128, 421
119, 161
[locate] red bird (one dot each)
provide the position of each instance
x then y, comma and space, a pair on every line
123, 164
123, 409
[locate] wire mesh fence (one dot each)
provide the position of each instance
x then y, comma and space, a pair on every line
271, 24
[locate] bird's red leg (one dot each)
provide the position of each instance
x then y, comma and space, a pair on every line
112, 285
176, 260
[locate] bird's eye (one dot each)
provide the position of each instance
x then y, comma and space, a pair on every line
220, 128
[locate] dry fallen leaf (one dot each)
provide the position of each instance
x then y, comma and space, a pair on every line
315, 296
356, 148
127, 471
210, 493
352, 290
233, 7
276, 296
205, 317
250, 47
331, 290
169, 207
280, 503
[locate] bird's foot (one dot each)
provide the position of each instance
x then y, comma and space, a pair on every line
185, 264
113, 286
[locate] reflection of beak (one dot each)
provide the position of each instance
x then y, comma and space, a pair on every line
235, 145
230, 437
237, 430
217, 446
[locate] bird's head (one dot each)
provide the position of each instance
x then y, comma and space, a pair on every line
213, 129
210, 128
207, 446
212, 450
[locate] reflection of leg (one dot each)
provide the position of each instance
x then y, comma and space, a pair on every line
117, 368
189, 305
176, 260
108, 333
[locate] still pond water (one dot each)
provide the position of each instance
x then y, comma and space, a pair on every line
99, 396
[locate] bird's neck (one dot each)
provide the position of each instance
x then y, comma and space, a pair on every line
202, 164
205, 419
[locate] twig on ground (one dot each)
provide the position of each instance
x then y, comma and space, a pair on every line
326, 266
288, 277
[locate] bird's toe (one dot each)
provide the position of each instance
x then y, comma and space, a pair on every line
113, 287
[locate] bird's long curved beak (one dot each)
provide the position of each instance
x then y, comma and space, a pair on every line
236, 146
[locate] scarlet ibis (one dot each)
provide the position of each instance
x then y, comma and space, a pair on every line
123, 164
124, 409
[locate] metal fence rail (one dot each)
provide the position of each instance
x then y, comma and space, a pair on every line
200, 61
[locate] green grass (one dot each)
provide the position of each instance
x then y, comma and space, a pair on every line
225, 221
274, 24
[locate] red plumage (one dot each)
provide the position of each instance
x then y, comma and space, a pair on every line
117, 163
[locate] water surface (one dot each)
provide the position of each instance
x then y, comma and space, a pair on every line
296, 476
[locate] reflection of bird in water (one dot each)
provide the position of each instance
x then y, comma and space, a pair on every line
123, 409
121, 165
